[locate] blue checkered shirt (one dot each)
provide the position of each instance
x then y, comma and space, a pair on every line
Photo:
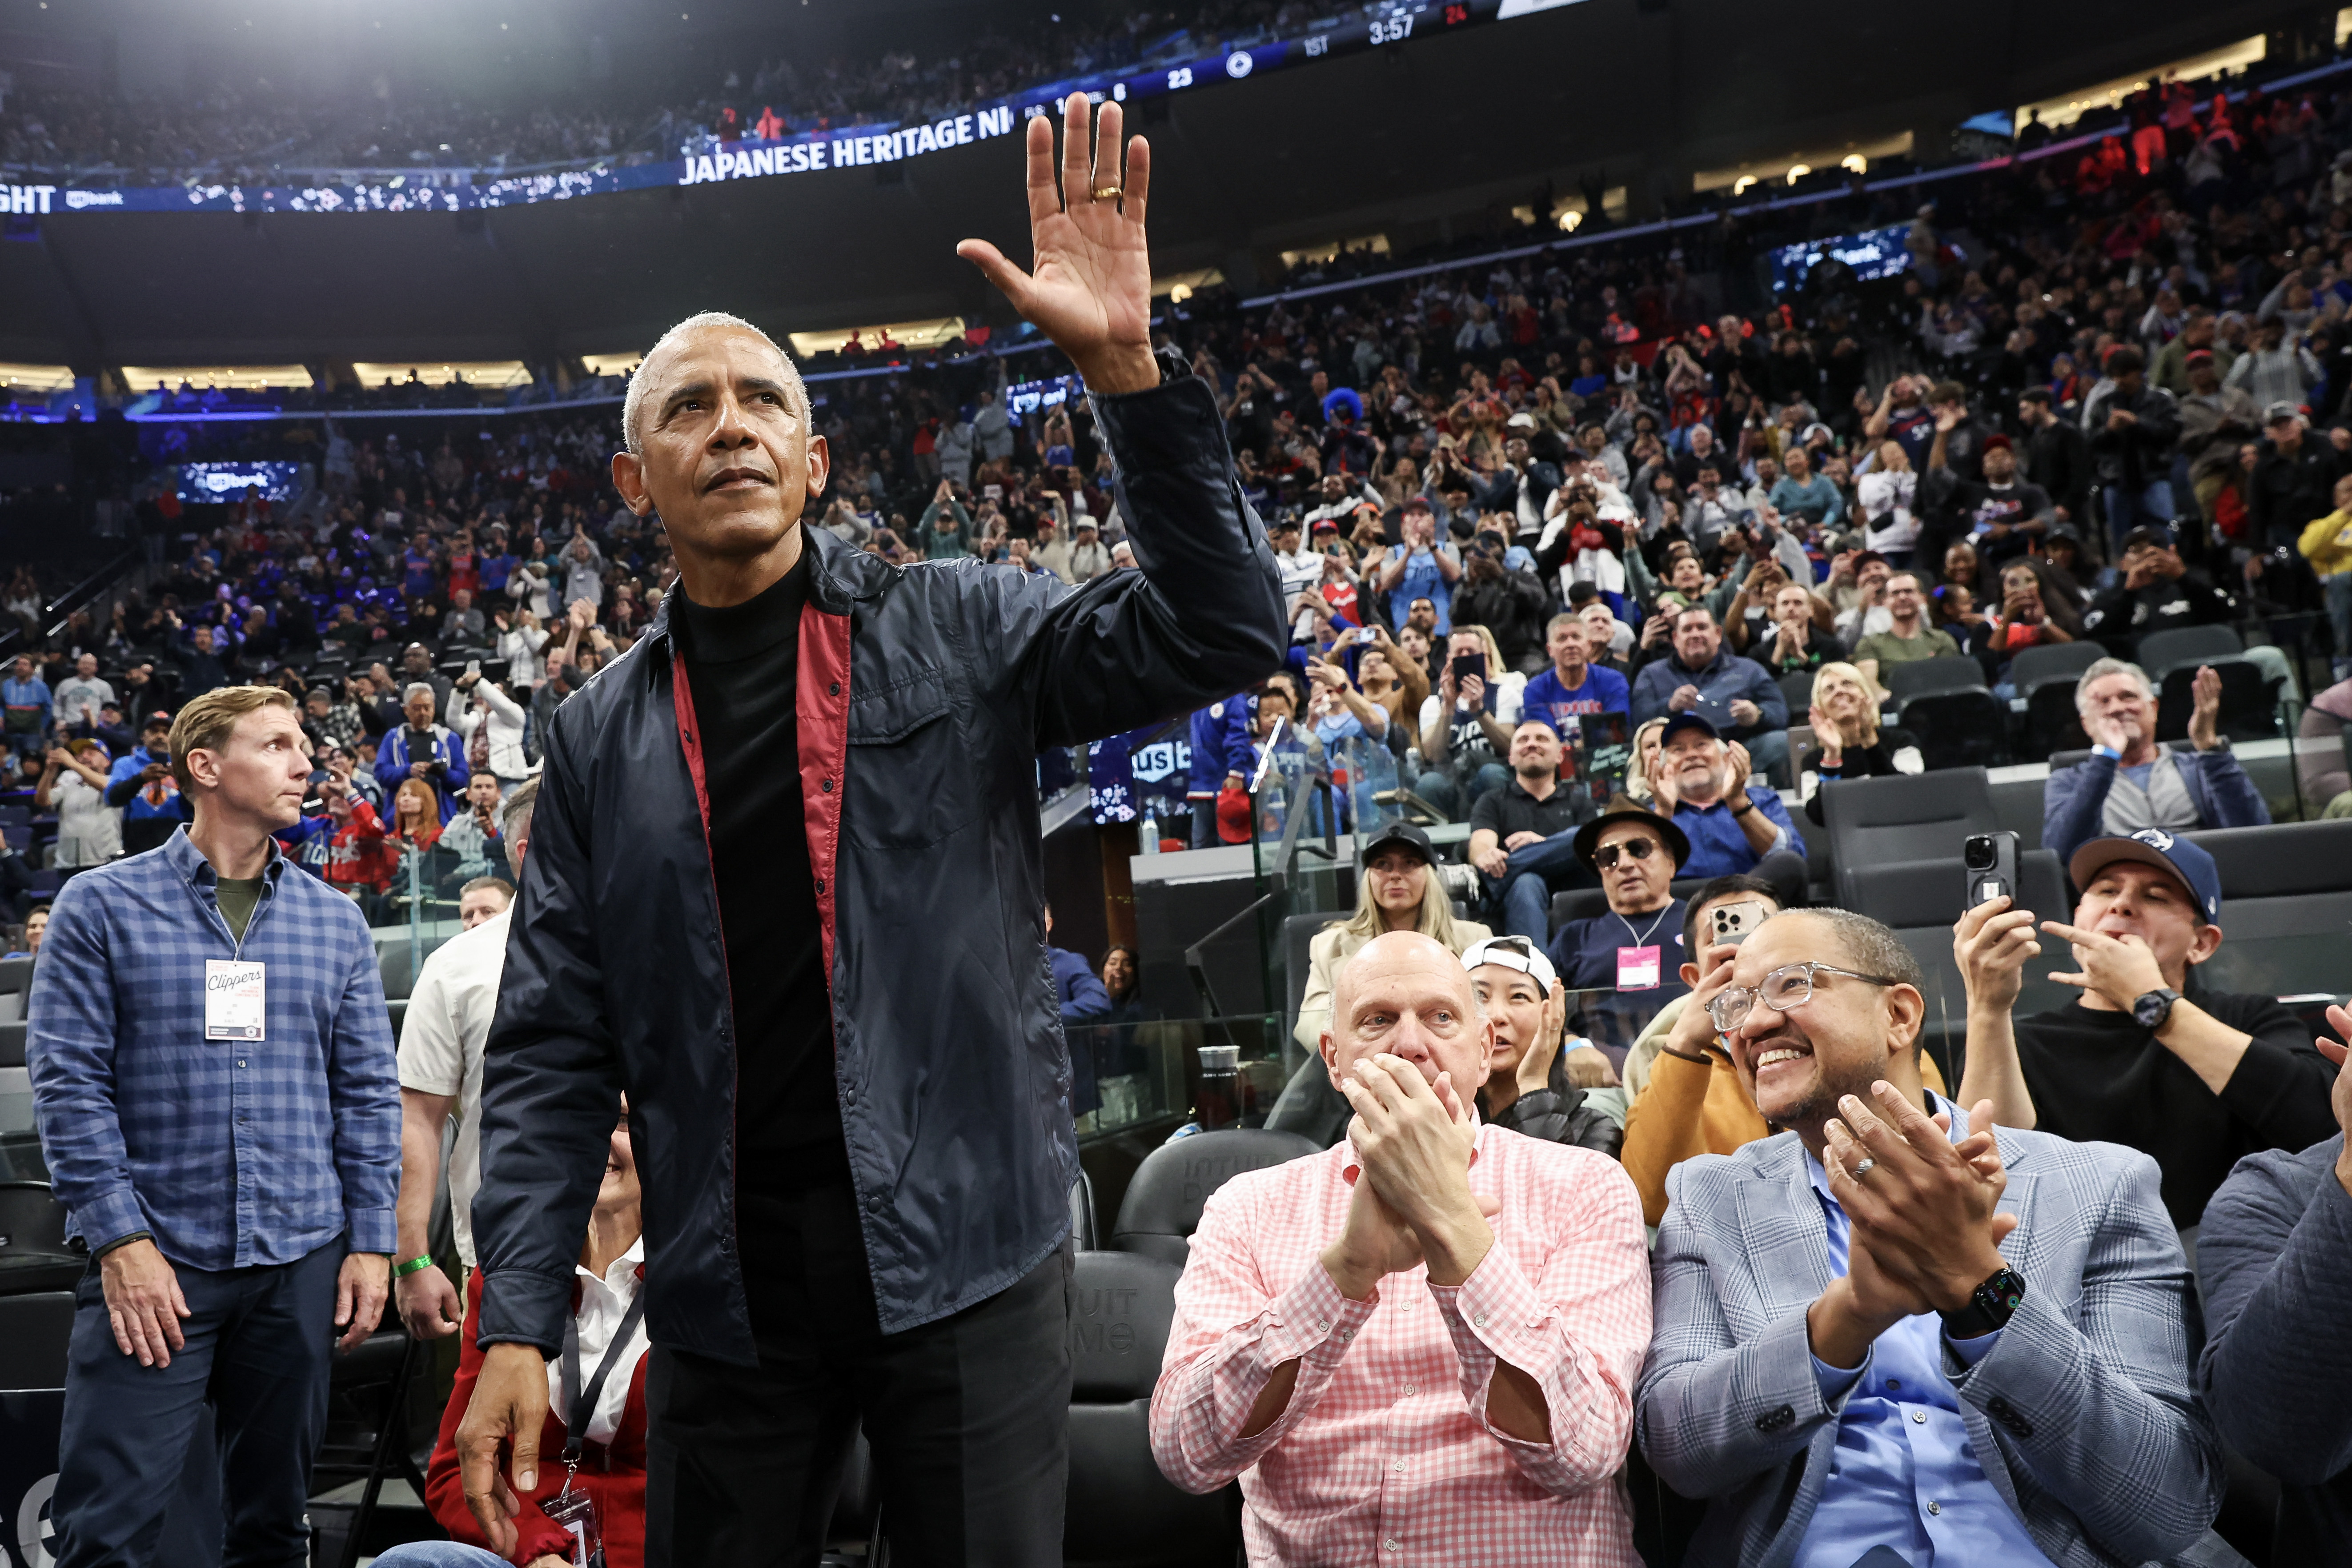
230, 1153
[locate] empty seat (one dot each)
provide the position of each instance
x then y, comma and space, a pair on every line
33, 1253
1919, 675
33, 1332
1966, 728
2282, 859
1797, 691
12, 1043
2191, 645
2046, 679
1922, 817
2066, 662
1119, 1511
1921, 900
1165, 1196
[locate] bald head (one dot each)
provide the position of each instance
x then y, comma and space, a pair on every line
1405, 994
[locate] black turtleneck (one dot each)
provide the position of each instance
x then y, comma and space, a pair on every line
741, 662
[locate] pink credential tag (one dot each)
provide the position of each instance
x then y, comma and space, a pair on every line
1637, 969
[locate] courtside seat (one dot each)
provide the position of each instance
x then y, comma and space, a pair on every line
1121, 1512
1164, 1198
1920, 817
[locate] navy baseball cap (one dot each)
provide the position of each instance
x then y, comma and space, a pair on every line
1688, 721
2154, 846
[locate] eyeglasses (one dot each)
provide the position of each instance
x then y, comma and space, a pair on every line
1790, 986
1639, 848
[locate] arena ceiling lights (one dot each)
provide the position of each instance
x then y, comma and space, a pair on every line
499, 374
35, 377
227, 377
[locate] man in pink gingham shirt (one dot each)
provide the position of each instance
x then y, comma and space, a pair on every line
1419, 1347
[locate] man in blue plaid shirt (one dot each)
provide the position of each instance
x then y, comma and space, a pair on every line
213, 1074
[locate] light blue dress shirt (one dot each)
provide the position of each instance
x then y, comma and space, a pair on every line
1905, 1474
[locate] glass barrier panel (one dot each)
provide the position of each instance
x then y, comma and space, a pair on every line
1146, 1073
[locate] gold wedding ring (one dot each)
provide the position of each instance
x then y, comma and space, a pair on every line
1109, 193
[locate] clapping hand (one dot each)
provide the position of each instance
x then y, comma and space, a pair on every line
1091, 291
1736, 769
1826, 733
1927, 1210
2205, 711
1415, 1141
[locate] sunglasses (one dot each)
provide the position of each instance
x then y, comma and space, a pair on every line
1639, 848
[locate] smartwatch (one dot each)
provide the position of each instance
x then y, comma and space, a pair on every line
1990, 1306
2155, 1007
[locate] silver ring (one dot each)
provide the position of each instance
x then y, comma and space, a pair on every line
1863, 1169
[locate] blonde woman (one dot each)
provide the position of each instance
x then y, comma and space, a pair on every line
1398, 887
1646, 748
1847, 742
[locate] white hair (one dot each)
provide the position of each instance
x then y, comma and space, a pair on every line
635, 401
2102, 669
408, 693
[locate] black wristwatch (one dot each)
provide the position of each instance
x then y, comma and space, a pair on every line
2155, 1007
1993, 1304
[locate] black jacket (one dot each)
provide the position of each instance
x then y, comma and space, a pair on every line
2139, 453
2120, 615
2058, 458
2289, 489
926, 693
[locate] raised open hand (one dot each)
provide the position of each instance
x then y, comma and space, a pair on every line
1090, 289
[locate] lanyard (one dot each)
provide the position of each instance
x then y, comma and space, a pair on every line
579, 1403
1642, 939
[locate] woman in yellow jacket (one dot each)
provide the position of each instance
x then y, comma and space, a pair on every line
2326, 543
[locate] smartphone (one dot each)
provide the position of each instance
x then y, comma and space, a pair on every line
1729, 925
1990, 860
473, 667
1466, 665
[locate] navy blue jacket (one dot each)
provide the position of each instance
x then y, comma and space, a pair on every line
2274, 1256
2073, 801
925, 693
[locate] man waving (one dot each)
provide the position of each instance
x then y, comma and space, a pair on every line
813, 762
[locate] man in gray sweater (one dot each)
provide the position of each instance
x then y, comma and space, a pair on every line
2275, 1255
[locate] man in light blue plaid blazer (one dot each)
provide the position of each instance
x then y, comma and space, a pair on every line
1882, 1341
213, 1077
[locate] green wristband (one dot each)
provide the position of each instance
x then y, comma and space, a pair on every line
402, 1270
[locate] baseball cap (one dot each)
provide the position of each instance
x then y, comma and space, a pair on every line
156, 718
1996, 440
2154, 846
1513, 953
1687, 720
1327, 525
1520, 422
2199, 356
2156, 535
2280, 412
1416, 503
1396, 833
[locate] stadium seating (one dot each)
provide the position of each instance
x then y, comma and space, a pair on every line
1902, 817
2046, 679
1121, 1512
1921, 900
1165, 1195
